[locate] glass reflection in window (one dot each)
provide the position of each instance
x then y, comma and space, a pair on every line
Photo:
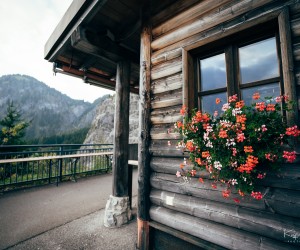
270, 90
213, 72
258, 61
208, 103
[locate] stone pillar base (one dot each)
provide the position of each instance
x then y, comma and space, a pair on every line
117, 211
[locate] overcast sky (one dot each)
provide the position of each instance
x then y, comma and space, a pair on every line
25, 26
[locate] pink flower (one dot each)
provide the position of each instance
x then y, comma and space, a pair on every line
233, 98
236, 200
264, 128
257, 195
289, 156
225, 106
178, 174
234, 152
226, 193
193, 172
293, 131
261, 176
240, 137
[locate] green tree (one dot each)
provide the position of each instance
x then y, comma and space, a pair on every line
12, 126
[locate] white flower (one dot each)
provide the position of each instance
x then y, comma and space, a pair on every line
209, 129
225, 106
230, 142
233, 182
178, 174
217, 165
236, 111
209, 144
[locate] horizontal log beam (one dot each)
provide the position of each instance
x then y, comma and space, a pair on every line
166, 69
169, 55
221, 30
207, 22
167, 84
269, 225
187, 16
216, 233
281, 201
100, 45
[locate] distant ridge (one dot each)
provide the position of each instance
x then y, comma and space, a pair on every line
50, 111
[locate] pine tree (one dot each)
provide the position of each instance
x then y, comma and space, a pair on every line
12, 126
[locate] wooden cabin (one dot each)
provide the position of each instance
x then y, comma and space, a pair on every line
154, 48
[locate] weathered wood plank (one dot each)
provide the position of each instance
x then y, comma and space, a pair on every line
144, 121
158, 119
281, 201
167, 13
173, 243
222, 30
188, 16
164, 148
288, 177
144, 131
296, 52
165, 136
171, 110
166, 165
206, 22
287, 62
166, 56
167, 99
121, 127
269, 225
167, 103
216, 233
295, 10
166, 69
295, 28
167, 84
164, 131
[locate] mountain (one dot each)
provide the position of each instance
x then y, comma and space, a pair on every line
102, 128
50, 112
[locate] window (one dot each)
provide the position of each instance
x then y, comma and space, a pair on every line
238, 68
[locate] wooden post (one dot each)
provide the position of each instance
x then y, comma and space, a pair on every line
287, 62
117, 210
121, 124
144, 139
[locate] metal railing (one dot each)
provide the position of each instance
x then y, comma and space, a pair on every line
25, 165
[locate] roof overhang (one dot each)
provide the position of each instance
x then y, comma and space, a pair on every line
92, 37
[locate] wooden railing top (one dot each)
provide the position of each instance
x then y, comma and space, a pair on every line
54, 157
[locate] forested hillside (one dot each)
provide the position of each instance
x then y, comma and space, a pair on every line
51, 113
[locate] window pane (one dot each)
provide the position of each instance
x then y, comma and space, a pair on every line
213, 72
258, 61
270, 90
208, 103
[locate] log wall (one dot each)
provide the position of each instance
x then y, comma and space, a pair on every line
192, 207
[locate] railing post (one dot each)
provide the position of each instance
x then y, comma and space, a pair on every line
50, 171
60, 163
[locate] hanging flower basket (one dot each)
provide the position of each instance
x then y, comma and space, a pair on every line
240, 146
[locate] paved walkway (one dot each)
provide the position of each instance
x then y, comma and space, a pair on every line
69, 216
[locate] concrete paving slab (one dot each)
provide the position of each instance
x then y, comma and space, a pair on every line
86, 233
30, 212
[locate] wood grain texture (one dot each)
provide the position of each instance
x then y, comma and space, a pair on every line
206, 22
216, 233
281, 201
121, 125
266, 224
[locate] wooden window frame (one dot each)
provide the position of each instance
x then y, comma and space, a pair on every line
281, 16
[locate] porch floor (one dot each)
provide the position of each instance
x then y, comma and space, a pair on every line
69, 216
